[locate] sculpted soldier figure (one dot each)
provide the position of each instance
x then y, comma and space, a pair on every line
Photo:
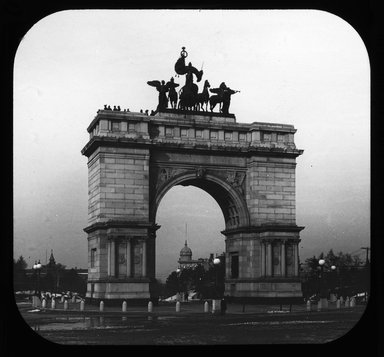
172, 95
223, 96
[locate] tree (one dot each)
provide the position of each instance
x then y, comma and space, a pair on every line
20, 264
20, 279
349, 277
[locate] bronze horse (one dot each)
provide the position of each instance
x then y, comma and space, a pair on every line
203, 98
214, 100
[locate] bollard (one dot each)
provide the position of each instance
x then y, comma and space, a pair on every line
338, 304
35, 301
62, 299
53, 304
124, 306
178, 306
150, 306
74, 298
206, 307
352, 302
308, 305
82, 305
65, 305
341, 300
44, 304
347, 302
101, 305
216, 306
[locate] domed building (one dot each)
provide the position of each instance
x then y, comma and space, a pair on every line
185, 260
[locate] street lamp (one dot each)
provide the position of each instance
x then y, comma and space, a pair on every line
216, 263
178, 270
334, 281
322, 282
37, 268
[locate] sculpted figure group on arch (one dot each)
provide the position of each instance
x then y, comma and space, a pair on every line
188, 97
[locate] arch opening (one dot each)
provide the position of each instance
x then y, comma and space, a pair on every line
231, 203
187, 214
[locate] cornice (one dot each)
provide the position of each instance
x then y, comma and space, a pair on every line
120, 224
202, 147
263, 228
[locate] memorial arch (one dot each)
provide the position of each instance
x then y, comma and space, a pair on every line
249, 169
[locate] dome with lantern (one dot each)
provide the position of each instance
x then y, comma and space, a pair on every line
185, 253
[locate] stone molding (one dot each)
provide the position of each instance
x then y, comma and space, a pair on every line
262, 229
208, 147
120, 224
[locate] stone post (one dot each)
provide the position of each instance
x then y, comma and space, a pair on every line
206, 307
352, 302
53, 304
216, 306
150, 306
308, 305
347, 302
82, 305
65, 305
44, 304
319, 305
178, 306
73, 298
124, 306
338, 304
101, 305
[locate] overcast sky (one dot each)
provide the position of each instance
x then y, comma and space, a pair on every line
308, 68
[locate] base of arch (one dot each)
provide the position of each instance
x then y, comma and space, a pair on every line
264, 290
119, 291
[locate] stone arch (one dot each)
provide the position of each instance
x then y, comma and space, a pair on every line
231, 203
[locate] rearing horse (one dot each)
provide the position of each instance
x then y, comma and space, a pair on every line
203, 98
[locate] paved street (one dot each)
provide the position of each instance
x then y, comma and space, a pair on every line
240, 325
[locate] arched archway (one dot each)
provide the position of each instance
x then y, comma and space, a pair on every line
232, 204
187, 214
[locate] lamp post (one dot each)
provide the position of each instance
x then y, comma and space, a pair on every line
178, 270
37, 268
323, 296
216, 263
333, 271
